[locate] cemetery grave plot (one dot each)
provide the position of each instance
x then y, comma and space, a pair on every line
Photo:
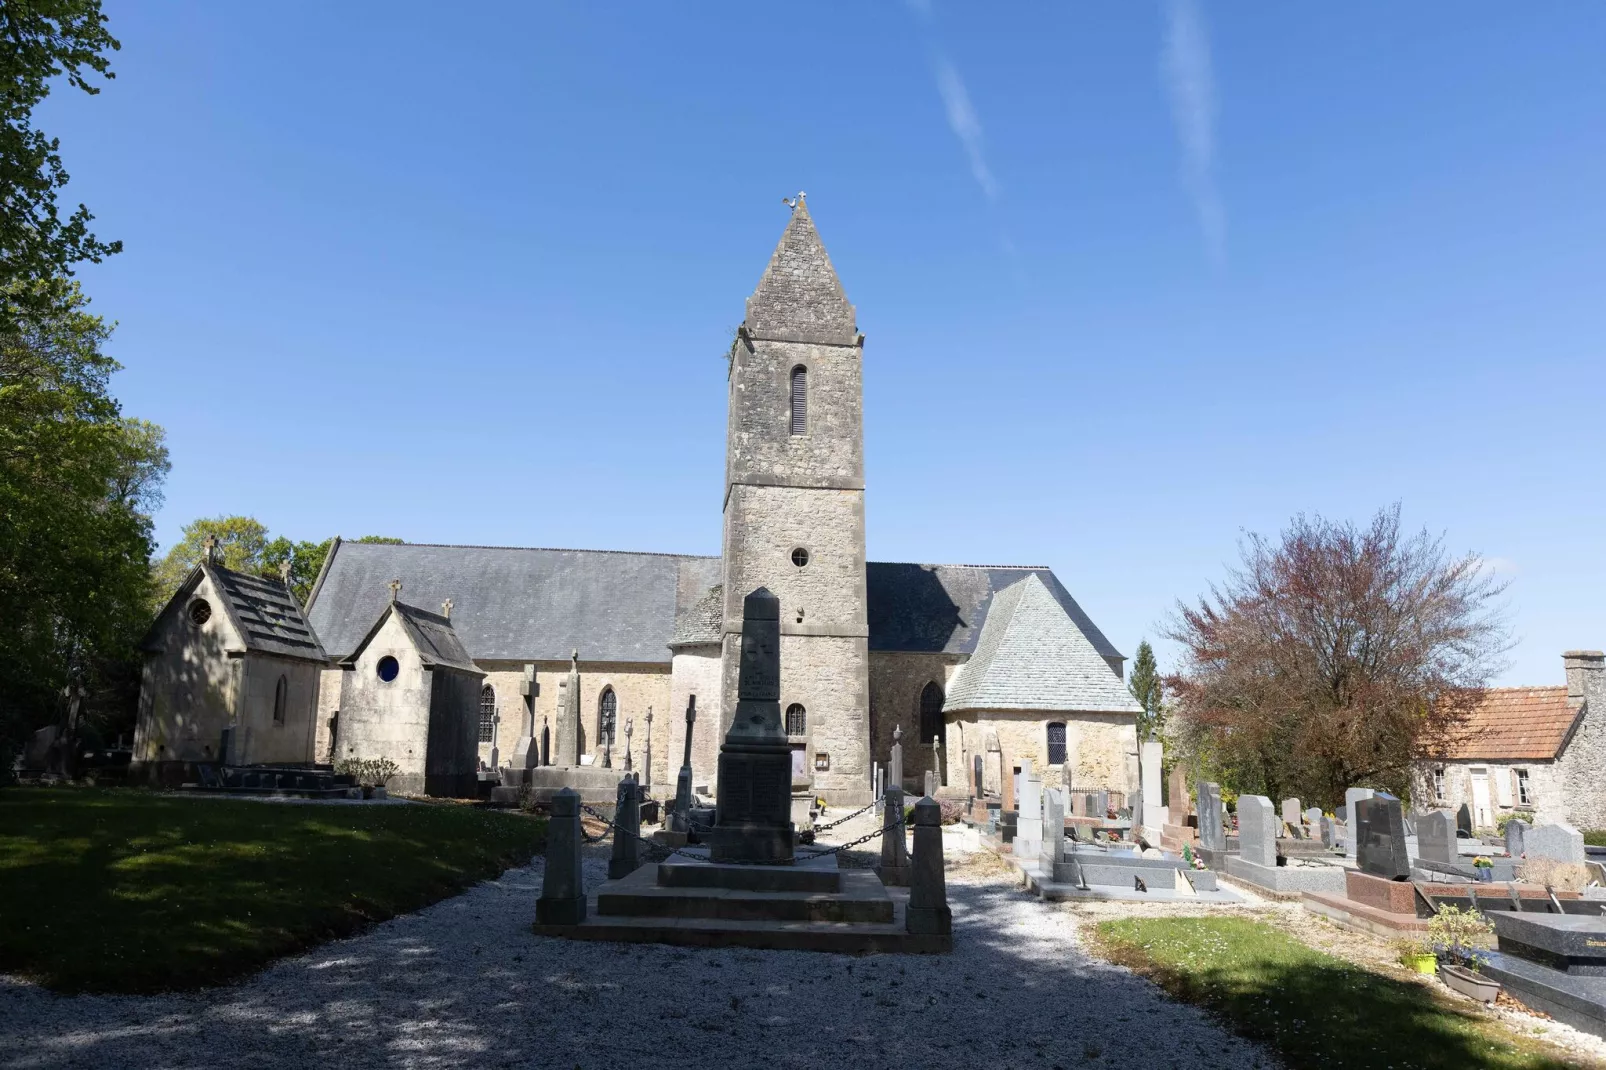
129, 891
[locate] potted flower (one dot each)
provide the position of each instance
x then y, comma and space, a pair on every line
379, 771
1485, 867
1459, 938
1418, 955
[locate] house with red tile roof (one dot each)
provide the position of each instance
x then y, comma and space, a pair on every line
1538, 753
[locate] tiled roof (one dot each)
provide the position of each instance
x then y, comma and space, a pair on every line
1033, 656
432, 636
262, 611
1516, 723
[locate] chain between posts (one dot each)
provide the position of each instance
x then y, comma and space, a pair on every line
668, 852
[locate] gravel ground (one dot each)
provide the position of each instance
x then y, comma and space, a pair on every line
464, 983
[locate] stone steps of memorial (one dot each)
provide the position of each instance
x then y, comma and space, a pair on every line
861, 899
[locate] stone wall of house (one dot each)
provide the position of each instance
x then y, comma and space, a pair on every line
259, 739
1546, 789
387, 718
896, 680
1097, 746
1583, 762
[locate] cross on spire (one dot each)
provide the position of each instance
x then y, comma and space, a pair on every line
446, 609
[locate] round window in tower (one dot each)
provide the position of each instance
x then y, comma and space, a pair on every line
800, 557
388, 668
200, 612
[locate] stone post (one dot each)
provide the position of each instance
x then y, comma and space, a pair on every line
755, 761
568, 752
894, 867
627, 830
630, 727
928, 912
895, 764
563, 899
1029, 827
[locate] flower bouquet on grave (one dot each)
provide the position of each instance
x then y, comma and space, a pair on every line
1485, 867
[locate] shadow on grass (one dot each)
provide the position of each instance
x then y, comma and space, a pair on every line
1315, 1010
127, 891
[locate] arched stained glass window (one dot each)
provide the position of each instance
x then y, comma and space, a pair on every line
607, 715
800, 400
797, 720
281, 695
931, 713
487, 714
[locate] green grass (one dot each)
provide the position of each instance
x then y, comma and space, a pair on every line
128, 891
1315, 1010
1595, 837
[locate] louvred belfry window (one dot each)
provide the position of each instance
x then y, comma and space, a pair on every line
800, 400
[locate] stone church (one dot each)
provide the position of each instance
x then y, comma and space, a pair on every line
969, 660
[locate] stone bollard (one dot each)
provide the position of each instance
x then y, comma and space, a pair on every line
563, 899
627, 830
928, 890
894, 867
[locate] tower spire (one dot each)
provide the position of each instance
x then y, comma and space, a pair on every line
799, 297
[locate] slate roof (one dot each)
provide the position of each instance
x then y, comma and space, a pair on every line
1516, 723
263, 612
1032, 655
516, 604
537, 605
432, 636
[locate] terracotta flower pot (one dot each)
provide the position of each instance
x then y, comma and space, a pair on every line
1469, 983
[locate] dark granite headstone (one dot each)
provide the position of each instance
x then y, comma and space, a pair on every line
755, 761
977, 782
1574, 943
1380, 838
1463, 820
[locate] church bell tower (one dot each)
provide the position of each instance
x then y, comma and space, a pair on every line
794, 507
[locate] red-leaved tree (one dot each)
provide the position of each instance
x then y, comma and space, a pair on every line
1333, 656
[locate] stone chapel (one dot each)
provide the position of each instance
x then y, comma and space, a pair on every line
970, 660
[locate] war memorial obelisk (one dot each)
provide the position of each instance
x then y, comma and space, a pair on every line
754, 822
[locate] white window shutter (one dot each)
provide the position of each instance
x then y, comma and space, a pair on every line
1504, 779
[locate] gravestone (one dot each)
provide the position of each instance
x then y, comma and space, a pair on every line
1380, 838
1291, 811
1435, 837
568, 742
1053, 830
1177, 796
977, 784
626, 857
1516, 839
1257, 830
1029, 827
563, 899
1463, 819
1150, 755
1137, 814
1101, 804
1212, 836
1011, 773
894, 867
680, 812
928, 910
755, 762
1313, 816
1352, 796
1329, 832
1562, 843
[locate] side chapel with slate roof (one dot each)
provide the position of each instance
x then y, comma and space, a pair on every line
972, 661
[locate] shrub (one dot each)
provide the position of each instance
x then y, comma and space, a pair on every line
1459, 936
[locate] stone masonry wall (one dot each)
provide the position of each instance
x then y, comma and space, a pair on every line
636, 686
760, 446
896, 680
1096, 745
763, 525
1545, 785
387, 719
696, 671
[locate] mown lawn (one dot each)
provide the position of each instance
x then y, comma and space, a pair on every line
129, 891
1315, 1010
1595, 837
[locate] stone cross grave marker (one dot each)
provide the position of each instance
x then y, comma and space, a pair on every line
680, 813
1257, 830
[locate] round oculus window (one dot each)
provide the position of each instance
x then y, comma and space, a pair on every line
388, 668
800, 557
200, 611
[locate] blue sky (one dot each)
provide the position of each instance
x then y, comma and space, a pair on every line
1135, 277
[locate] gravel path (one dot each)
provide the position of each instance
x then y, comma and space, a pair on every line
465, 984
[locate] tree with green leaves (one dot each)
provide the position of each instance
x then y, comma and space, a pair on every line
76, 481
40, 42
1146, 687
